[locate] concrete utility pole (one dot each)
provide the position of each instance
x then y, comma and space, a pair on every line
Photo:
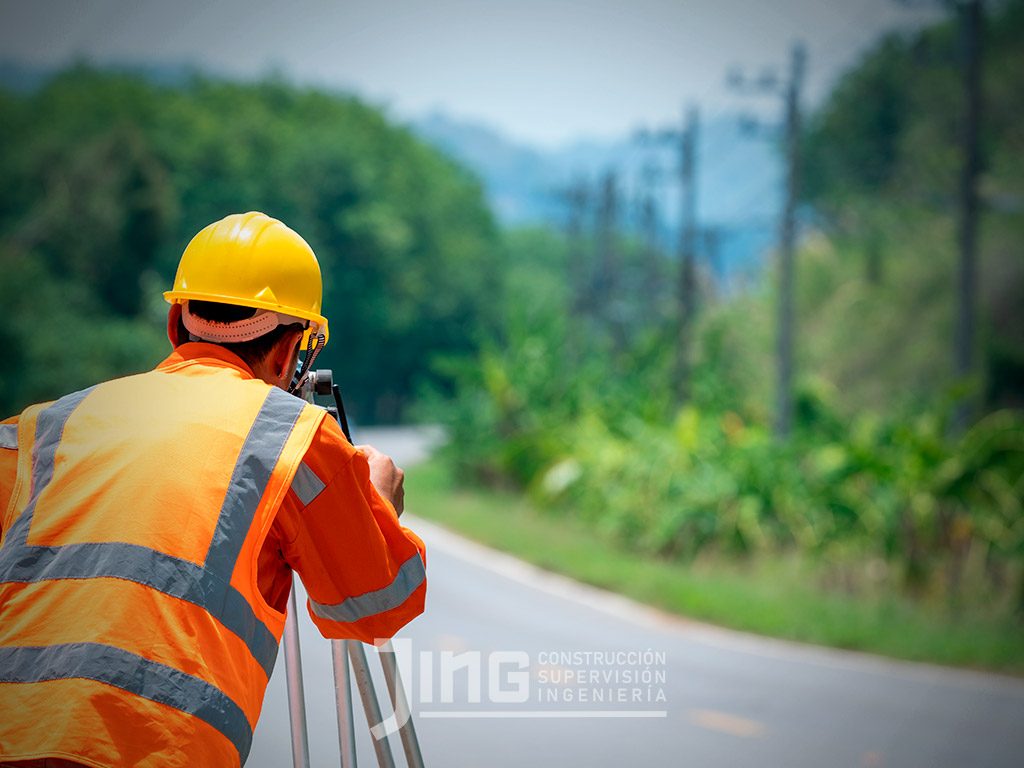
608, 302
607, 226
580, 295
649, 232
787, 244
712, 237
971, 16
687, 291
768, 82
685, 139
970, 23
576, 198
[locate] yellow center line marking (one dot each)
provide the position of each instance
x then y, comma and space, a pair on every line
726, 723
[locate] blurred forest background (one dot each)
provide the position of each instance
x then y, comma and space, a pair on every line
609, 374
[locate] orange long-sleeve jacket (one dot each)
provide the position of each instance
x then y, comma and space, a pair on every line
150, 526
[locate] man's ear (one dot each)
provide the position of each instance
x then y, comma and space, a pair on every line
176, 332
286, 355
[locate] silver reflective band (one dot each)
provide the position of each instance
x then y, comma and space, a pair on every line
410, 576
207, 586
306, 484
170, 575
49, 429
132, 673
9, 436
255, 465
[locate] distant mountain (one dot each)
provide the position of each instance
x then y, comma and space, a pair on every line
739, 179
520, 181
20, 78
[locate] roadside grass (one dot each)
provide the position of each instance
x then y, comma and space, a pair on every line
777, 597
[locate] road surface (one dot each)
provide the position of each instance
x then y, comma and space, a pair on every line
607, 682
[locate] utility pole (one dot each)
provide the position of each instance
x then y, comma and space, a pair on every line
787, 244
606, 293
970, 24
575, 196
687, 290
580, 298
685, 139
651, 281
970, 36
712, 237
607, 227
768, 82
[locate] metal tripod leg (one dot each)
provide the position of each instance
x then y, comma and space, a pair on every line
411, 745
342, 651
378, 727
370, 705
343, 695
296, 699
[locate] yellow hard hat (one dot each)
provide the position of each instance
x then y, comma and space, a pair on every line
252, 260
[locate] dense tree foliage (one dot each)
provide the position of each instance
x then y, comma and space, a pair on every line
562, 403
883, 164
107, 177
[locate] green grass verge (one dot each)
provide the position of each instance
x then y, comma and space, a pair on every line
771, 597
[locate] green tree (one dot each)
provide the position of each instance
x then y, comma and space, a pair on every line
108, 176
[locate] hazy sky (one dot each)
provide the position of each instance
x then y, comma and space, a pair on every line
543, 71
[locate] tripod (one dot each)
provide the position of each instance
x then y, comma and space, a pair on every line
346, 653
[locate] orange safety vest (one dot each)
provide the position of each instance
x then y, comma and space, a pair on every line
132, 629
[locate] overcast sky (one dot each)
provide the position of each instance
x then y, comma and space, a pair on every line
541, 71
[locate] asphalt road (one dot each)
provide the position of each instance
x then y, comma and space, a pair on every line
610, 683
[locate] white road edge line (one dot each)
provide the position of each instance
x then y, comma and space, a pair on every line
631, 611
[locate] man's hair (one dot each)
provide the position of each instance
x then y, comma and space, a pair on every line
252, 352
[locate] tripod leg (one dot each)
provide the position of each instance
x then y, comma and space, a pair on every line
407, 731
296, 698
370, 705
343, 694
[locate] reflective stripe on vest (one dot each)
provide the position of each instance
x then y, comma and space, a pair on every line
306, 484
9, 436
133, 673
207, 586
409, 577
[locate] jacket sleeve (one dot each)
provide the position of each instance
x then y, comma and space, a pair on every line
8, 466
364, 573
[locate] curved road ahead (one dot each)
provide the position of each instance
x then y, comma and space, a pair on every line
607, 682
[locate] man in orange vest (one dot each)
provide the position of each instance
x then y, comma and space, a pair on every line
150, 526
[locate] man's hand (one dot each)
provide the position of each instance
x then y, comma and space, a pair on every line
385, 476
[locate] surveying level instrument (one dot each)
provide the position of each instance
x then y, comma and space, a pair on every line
343, 654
